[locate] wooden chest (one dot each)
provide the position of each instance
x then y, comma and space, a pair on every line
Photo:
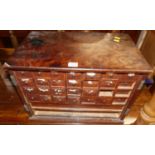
78, 77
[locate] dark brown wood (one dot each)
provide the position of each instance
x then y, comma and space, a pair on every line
12, 111
57, 49
77, 76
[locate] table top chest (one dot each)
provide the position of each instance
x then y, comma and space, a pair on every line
78, 75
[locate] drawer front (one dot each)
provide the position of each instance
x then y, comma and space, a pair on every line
46, 99
43, 89
24, 74
73, 99
119, 101
26, 81
42, 81
74, 91
58, 75
90, 83
108, 83
57, 82
91, 100
75, 75
92, 76
73, 83
58, 91
84, 89
33, 97
90, 91
59, 99
29, 89
126, 84
105, 100
123, 93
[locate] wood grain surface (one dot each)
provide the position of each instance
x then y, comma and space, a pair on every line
88, 50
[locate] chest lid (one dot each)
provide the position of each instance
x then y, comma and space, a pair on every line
93, 50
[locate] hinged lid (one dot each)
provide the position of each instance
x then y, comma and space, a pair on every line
93, 50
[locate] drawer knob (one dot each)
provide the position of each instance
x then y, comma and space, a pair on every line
43, 89
91, 74
72, 82
25, 80
29, 89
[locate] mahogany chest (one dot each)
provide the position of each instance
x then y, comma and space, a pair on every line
78, 77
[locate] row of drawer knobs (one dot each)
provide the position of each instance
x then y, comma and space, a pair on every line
74, 83
71, 82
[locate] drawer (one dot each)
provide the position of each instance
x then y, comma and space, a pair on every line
120, 76
122, 93
43, 89
25, 74
58, 82
59, 99
90, 91
26, 81
58, 91
73, 100
33, 98
111, 76
106, 83
74, 91
29, 89
105, 100
73, 83
58, 75
106, 93
88, 100
131, 76
74, 75
90, 83
119, 101
45, 99
92, 76
41, 74
126, 84
41, 81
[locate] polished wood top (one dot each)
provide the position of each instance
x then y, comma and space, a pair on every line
79, 49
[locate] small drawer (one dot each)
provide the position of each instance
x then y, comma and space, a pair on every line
26, 81
57, 82
90, 91
106, 93
122, 93
41, 81
105, 100
108, 84
58, 75
74, 75
73, 83
88, 100
42, 74
111, 76
73, 100
90, 83
131, 76
29, 89
126, 85
92, 76
58, 91
33, 97
59, 99
119, 101
43, 89
25, 74
74, 91
45, 99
